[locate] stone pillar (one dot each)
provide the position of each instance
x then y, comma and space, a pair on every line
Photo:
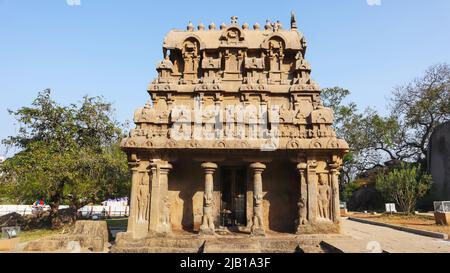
258, 210
312, 191
334, 173
154, 197
132, 219
207, 227
303, 198
164, 225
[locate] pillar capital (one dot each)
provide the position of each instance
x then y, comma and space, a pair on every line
165, 167
134, 166
209, 166
312, 164
334, 167
257, 166
302, 166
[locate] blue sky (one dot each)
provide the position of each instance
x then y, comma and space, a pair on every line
110, 47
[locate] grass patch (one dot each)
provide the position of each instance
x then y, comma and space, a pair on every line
422, 222
36, 234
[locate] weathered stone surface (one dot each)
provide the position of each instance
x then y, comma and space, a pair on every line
8, 245
228, 244
12, 219
92, 228
231, 115
439, 162
90, 235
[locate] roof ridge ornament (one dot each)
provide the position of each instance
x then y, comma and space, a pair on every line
190, 26
234, 20
293, 20
277, 25
268, 25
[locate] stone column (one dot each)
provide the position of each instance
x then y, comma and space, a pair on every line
303, 199
312, 191
132, 219
154, 197
207, 227
334, 172
258, 210
164, 226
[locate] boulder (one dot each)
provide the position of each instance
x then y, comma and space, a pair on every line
11, 220
89, 235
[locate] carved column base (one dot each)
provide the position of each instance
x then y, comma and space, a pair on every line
300, 227
206, 231
258, 231
163, 231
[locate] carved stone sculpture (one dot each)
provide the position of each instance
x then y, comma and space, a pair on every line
323, 196
236, 98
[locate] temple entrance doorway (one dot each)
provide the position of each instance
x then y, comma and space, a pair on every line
233, 191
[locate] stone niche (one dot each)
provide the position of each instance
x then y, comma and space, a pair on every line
234, 136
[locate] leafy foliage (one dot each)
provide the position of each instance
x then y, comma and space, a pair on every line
415, 110
348, 190
67, 154
420, 106
404, 186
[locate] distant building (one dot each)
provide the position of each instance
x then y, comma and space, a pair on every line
439, 161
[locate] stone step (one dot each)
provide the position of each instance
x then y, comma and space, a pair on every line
279, 246
175, 243
231, 246
346, 245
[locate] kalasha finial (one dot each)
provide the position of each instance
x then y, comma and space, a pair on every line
234, 20
278, 25
293, 20
212, 26
190, 26
268, 25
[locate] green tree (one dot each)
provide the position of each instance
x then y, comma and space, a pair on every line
415, 110
346, 117
348, 190
420, 106
66, 154
404, 186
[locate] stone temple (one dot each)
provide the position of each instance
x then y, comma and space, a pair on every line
234, 138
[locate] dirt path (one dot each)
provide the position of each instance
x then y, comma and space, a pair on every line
371, 238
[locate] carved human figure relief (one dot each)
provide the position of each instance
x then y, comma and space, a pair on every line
143, 198
164, 219
191, 59
276, 54
323, 198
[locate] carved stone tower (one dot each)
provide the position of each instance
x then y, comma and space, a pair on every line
235, 136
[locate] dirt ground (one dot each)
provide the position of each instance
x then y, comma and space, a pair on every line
423, 222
